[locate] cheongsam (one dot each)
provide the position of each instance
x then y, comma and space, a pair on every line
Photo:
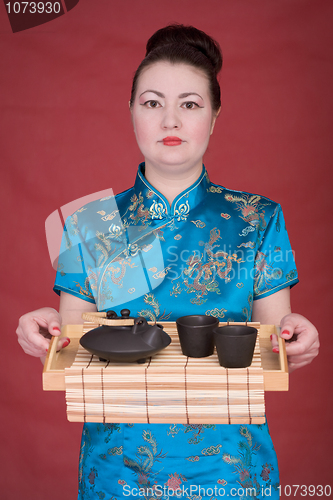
212, 252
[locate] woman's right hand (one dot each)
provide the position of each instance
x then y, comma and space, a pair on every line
36, 329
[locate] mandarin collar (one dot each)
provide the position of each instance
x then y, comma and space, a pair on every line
159, 207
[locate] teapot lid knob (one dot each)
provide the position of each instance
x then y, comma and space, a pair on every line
125, 313
111, 314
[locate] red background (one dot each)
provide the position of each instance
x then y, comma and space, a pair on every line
66, 132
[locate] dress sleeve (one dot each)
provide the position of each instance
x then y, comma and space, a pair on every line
72, 272
274, 265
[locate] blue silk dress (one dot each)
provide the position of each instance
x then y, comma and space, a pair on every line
212, 252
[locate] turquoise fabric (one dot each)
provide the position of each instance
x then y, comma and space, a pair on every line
213, 252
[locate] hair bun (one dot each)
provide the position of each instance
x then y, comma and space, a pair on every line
188, 35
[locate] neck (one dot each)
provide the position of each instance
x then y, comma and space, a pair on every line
171, 184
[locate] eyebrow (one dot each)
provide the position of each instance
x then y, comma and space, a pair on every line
181, 96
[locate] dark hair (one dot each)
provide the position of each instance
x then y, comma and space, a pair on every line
184, 44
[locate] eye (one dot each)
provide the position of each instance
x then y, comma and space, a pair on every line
190, 105
152, 104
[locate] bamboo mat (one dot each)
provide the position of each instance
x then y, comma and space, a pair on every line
168, 388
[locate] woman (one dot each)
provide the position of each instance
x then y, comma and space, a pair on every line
176, 244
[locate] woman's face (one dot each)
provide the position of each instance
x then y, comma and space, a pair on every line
173, 117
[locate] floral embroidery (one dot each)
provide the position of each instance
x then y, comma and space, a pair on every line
265, 473
225, 216
132, 250
174, 481
115, 231
183, 211
157, 210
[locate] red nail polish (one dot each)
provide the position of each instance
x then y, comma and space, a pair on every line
56, 328
271, 337
66, 343
285, 332
275, 349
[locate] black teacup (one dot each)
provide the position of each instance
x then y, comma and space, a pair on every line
196, 335
235, 345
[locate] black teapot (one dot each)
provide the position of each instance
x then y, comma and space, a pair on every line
125, 343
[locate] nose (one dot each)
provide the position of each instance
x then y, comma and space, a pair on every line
171, 118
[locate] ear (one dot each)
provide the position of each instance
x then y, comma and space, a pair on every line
214, 120
131, 111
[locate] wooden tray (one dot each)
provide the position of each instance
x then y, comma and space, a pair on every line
275, 366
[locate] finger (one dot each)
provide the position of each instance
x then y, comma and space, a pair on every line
287, 331
31, 340
63, 342
274, 340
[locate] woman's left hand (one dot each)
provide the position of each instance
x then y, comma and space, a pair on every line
302, 341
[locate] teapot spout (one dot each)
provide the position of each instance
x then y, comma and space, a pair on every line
140, 325
156, 337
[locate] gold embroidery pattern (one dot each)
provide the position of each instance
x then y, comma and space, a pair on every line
183, 211
199, 223
217, 313
157, 210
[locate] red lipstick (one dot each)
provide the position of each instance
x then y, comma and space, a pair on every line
172, 141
